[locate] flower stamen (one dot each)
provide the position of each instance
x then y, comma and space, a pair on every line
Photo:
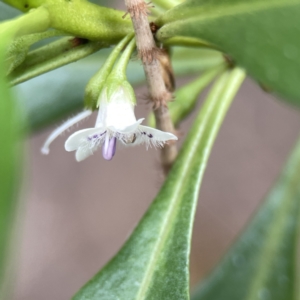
109, 147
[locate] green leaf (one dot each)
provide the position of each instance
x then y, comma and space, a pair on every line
154, 262
264, 262
9, 167
65, 86
192, 61
261, 36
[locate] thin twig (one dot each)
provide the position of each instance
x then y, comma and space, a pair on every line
159, 93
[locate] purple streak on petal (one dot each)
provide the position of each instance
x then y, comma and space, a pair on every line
109, 148
95, 136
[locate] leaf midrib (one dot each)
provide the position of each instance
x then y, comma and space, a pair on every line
166, 225
205, 120
267, 255
176, 196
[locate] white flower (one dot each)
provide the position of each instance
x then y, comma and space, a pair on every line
115, 121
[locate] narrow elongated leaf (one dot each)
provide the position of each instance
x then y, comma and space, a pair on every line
154, 262
264, 262
260, 35
8, 166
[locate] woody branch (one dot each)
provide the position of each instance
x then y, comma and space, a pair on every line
158, 91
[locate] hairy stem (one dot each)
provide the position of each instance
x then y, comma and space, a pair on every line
81, 18
158, 92
35, 21
96, 83
53, 56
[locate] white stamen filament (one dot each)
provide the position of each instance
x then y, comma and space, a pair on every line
58, 131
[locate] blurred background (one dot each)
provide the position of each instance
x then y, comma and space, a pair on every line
75, 216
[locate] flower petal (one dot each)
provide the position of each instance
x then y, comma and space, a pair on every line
129, 129
77, 138
118, 111
153, 137
82, 153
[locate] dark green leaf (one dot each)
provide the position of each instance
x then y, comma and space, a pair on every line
264, 262
261, 36
154, 262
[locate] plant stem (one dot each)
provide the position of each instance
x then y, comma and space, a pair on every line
33, 38
81, 18
188, 42
51, 57
158, 92
121, 65
36, 21
96, 83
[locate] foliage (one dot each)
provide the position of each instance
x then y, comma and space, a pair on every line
261, 36
167, 225
10, 165
263, 263
222, 39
